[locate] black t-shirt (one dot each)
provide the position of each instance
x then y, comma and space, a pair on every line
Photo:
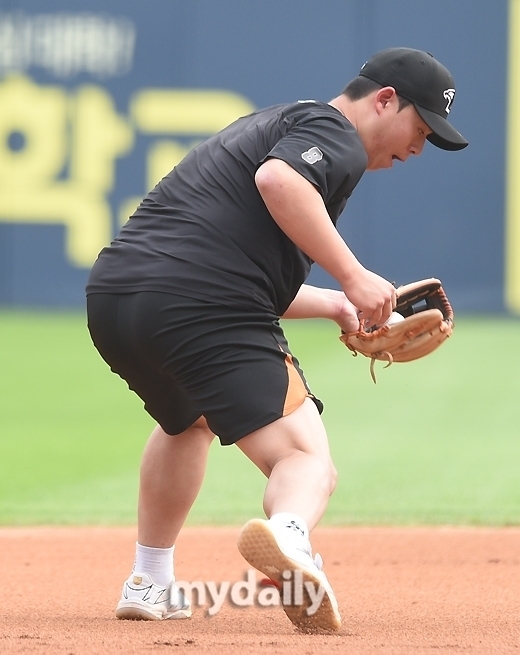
204, 231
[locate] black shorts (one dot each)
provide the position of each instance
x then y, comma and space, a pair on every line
186, 358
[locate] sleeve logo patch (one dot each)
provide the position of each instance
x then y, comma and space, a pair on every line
312, 155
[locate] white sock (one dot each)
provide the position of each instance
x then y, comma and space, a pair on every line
291, 522
156, 562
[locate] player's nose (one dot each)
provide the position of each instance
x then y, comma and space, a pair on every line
417, 147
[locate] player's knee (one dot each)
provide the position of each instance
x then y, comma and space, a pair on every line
325, 471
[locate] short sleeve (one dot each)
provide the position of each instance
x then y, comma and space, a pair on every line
325, 149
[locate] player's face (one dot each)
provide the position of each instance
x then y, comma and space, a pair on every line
395, 136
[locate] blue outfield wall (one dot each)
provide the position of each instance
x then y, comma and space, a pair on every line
99, 99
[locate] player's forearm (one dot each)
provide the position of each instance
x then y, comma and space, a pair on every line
298, 209
314, 302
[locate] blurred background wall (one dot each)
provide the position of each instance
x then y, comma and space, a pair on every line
100, 98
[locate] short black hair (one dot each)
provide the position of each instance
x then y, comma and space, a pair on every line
362, 86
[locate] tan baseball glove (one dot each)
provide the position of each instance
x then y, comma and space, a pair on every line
422, 320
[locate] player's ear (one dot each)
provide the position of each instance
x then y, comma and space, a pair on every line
385, 97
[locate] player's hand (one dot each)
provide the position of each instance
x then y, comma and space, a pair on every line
374, 297
347, 314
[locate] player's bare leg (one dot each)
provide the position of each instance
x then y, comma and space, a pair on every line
172, 471
293, 452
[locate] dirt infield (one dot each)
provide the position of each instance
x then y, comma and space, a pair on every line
400, 591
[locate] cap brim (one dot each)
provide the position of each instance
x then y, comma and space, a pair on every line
443, 135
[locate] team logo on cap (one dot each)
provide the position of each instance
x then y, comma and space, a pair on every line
312, 155
449, 94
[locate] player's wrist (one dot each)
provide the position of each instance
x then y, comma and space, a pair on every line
352, 274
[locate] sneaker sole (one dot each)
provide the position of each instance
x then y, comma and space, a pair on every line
259, 547
134, 611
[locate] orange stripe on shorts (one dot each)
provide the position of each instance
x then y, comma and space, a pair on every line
296, 390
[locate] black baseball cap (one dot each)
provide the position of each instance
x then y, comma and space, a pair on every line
427, 84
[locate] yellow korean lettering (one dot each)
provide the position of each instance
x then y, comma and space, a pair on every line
32, 186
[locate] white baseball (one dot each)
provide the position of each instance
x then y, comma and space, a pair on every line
395, 317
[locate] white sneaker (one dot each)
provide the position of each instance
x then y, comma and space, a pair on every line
142, 599
285, 556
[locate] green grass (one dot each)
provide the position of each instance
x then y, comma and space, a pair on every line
434, 442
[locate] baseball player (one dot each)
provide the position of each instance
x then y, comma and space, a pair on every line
185, 305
